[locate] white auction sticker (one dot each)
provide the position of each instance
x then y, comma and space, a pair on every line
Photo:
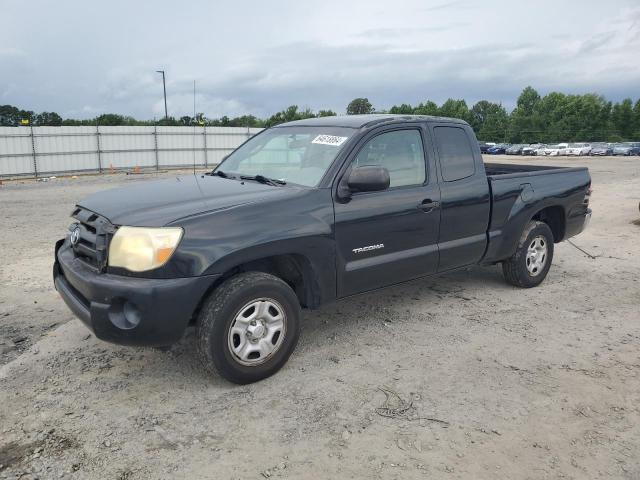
329, 140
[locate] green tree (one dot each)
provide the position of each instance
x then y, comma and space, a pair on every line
636, 120
359, 106
553, 109
110, 119
327, 113
11, 116
480, 112
167, 122
454, 109
225, 121
526, 123
622, 119
247, 121
528, 101
489, 120
50, 119
586, 117
426, 108
403, 109
242, 121
289, 114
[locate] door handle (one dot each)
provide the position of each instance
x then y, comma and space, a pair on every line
428, 205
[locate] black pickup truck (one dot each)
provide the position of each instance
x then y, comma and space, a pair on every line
300, 215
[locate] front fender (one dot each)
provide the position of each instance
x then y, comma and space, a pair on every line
315, 256
300, 225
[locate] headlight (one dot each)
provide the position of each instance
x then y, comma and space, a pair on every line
139, 249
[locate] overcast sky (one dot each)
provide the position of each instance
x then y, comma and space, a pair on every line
84, 58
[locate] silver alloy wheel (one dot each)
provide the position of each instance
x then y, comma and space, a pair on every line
257, 332
537, 255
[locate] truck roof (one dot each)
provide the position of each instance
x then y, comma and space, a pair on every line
359, 121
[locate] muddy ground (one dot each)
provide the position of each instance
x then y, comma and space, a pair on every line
503, 383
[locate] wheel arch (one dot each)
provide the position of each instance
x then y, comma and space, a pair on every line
556, 218
503, 239
295, 269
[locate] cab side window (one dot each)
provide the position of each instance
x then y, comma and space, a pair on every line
456, 155
400, 152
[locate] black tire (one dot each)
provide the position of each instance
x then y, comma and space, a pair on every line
219, 313
515, 268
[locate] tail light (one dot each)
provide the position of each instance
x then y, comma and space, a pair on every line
587, 196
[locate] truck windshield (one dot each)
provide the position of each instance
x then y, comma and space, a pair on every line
299, 155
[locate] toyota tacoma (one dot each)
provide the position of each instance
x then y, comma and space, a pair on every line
302, 214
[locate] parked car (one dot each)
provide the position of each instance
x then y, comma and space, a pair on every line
578, 149
635, 148
601, 149
498, 149
555, 150
239, 251
540, 151
622, 149
514, 149
484, 146
531, 149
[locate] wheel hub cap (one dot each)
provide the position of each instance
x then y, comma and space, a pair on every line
257, 331
536, 255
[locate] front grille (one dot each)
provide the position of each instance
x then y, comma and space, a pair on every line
95, 231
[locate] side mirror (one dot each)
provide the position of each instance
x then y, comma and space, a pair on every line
368, 179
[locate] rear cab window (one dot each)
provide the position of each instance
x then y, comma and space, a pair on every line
455, 153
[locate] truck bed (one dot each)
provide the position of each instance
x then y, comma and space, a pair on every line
519, 191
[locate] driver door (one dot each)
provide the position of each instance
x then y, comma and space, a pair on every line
389, 236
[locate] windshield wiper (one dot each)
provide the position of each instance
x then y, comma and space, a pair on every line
220, 173
258, 178
262, 179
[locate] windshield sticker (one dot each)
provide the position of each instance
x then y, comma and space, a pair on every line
329, 140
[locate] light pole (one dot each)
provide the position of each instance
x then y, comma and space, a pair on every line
164, 88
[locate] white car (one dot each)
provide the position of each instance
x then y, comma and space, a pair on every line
531, 149
578, 149
540, 151
555, 150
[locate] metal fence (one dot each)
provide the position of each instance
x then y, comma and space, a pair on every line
38, 151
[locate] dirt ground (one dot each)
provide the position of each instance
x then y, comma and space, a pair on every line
503, 383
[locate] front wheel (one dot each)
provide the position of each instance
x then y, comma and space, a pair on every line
530, 263
248, 327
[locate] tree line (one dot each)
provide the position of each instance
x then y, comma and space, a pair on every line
11, 116
550, 118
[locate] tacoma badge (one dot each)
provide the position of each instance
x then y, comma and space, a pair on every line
368, 248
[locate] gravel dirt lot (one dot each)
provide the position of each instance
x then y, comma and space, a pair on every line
526, 384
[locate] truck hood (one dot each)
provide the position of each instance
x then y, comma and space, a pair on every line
157, 203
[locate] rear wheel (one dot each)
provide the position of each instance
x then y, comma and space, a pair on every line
530, 263
248, 327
